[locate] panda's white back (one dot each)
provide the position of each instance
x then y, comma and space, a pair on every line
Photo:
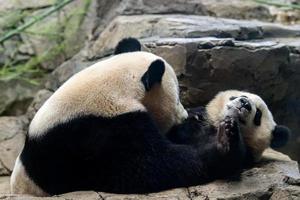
107, 88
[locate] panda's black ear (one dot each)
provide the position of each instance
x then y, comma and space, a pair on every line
127, 45
280, 136
154, 74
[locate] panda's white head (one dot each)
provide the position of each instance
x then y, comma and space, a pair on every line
256, 121
160, 84
162, 95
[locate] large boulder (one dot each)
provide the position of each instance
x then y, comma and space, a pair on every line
12, 131
15, 96
66, 70
39, 99
184, 26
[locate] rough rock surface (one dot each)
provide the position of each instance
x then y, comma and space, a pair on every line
11, 141
37, 102
65, 71
275, 177
15, 96
184, 26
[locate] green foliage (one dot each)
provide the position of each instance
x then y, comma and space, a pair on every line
10, 20
31, 70
56, 7
61, 36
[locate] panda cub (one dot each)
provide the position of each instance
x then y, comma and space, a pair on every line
248, 112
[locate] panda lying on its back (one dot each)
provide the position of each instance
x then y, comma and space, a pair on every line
256, 120
105, 130
248, 111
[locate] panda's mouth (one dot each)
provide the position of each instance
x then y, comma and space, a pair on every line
242, 107
242, 112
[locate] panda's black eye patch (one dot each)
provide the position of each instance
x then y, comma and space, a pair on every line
232, 98
257, 117
244, 96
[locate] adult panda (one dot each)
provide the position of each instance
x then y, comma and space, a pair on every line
255, 120
104, 129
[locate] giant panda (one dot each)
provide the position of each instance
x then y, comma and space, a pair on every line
105, 129
256, 123
256, 120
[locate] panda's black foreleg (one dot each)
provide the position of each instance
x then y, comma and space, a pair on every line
228, 136
194, 130
231, 145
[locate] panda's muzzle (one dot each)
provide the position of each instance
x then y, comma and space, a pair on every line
245, 104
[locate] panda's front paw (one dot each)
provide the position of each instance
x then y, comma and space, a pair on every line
196, 113
228, 135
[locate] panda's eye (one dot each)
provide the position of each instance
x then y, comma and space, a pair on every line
257, 117
232, 98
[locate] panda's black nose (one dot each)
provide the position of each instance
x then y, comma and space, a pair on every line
245, 103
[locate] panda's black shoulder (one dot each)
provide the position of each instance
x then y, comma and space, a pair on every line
127, 45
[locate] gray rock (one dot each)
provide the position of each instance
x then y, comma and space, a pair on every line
4, 185
259, 182
10, 149
238, 9
26, 49
210, 65
180, 193
20, 197
287, 193
235, 9
12, 131
29, 4
11, 47
11, 126
184, 26
15, 96
65, 71
37, 102
256, 183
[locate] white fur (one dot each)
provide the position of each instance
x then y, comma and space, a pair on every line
112, 87
20, 183
256, 137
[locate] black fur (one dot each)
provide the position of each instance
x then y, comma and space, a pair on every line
257, 117
154, 74
199, 132
280, 136
126, 154
128, 45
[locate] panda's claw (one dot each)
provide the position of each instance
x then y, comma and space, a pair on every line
228, 134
